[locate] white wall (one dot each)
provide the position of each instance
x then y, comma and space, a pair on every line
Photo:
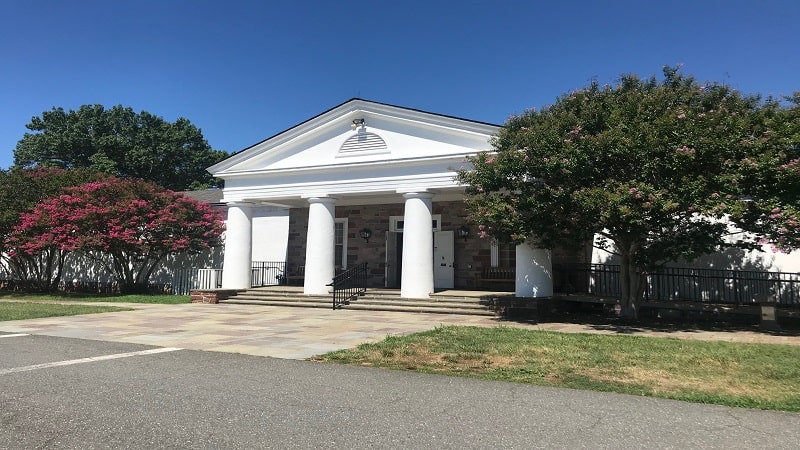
727, 259
270, 233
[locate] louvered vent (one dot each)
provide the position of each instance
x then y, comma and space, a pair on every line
363, 142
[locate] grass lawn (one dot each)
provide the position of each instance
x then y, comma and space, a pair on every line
746, 375
115, 298
34, 310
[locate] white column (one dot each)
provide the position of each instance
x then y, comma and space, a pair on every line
534, 271
237, 267
417, 279
320, 246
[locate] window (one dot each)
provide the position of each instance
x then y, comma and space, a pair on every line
396, 223
503, 255
340, 243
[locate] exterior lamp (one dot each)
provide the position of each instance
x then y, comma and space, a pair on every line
365, 233
359, 123
463, 232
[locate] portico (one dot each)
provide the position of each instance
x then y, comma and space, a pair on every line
365, 166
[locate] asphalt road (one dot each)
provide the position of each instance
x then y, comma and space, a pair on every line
195, 399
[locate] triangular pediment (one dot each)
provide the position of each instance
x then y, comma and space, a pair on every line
360, 132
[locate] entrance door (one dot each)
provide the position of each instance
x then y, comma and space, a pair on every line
394, 259
443, 258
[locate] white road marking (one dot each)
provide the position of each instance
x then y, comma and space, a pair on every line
14, 335
86, 360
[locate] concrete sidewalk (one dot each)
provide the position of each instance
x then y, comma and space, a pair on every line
297, 333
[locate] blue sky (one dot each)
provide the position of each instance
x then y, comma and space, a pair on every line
245, 70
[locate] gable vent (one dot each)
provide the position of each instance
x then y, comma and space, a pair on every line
363, 142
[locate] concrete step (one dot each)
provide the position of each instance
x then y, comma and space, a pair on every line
409, 306
374, 300
472, 303
390, 295
381, 293
280, 298
298, 304
422, 303
421, 309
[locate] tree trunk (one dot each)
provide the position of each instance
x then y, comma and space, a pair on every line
632, 281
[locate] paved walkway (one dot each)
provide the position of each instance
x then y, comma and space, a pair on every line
296, 333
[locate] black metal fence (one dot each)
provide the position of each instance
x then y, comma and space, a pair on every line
268, 273
739, 287
349, 285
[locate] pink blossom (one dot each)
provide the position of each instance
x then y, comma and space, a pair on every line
681, 116
125, 217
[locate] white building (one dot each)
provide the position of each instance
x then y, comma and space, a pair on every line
308, 195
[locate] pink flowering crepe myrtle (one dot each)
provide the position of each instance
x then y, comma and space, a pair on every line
128, 225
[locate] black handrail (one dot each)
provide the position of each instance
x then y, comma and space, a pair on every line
349, 285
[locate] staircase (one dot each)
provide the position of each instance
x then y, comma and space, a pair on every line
478, 303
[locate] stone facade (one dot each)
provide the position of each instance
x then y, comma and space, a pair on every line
472, 255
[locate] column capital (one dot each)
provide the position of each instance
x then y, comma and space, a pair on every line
240, 204
320, 199
423, 195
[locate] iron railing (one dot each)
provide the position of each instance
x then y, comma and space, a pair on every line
268, 273
739, 287
349, 285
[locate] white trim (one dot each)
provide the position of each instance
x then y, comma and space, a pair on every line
343, 221
360, 186
363, 109
455, 157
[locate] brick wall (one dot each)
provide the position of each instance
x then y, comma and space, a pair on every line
210, 296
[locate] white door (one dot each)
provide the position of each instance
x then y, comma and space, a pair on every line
443, 258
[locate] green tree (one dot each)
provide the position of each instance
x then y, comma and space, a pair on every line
649, 167
120, 142
770, 175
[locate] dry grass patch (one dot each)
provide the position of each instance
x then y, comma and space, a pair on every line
752, 375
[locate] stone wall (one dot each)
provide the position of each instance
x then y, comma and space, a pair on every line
376, 219
296, 247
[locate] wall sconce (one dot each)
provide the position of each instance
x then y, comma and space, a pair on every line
359, 123
463, 232
365, 233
